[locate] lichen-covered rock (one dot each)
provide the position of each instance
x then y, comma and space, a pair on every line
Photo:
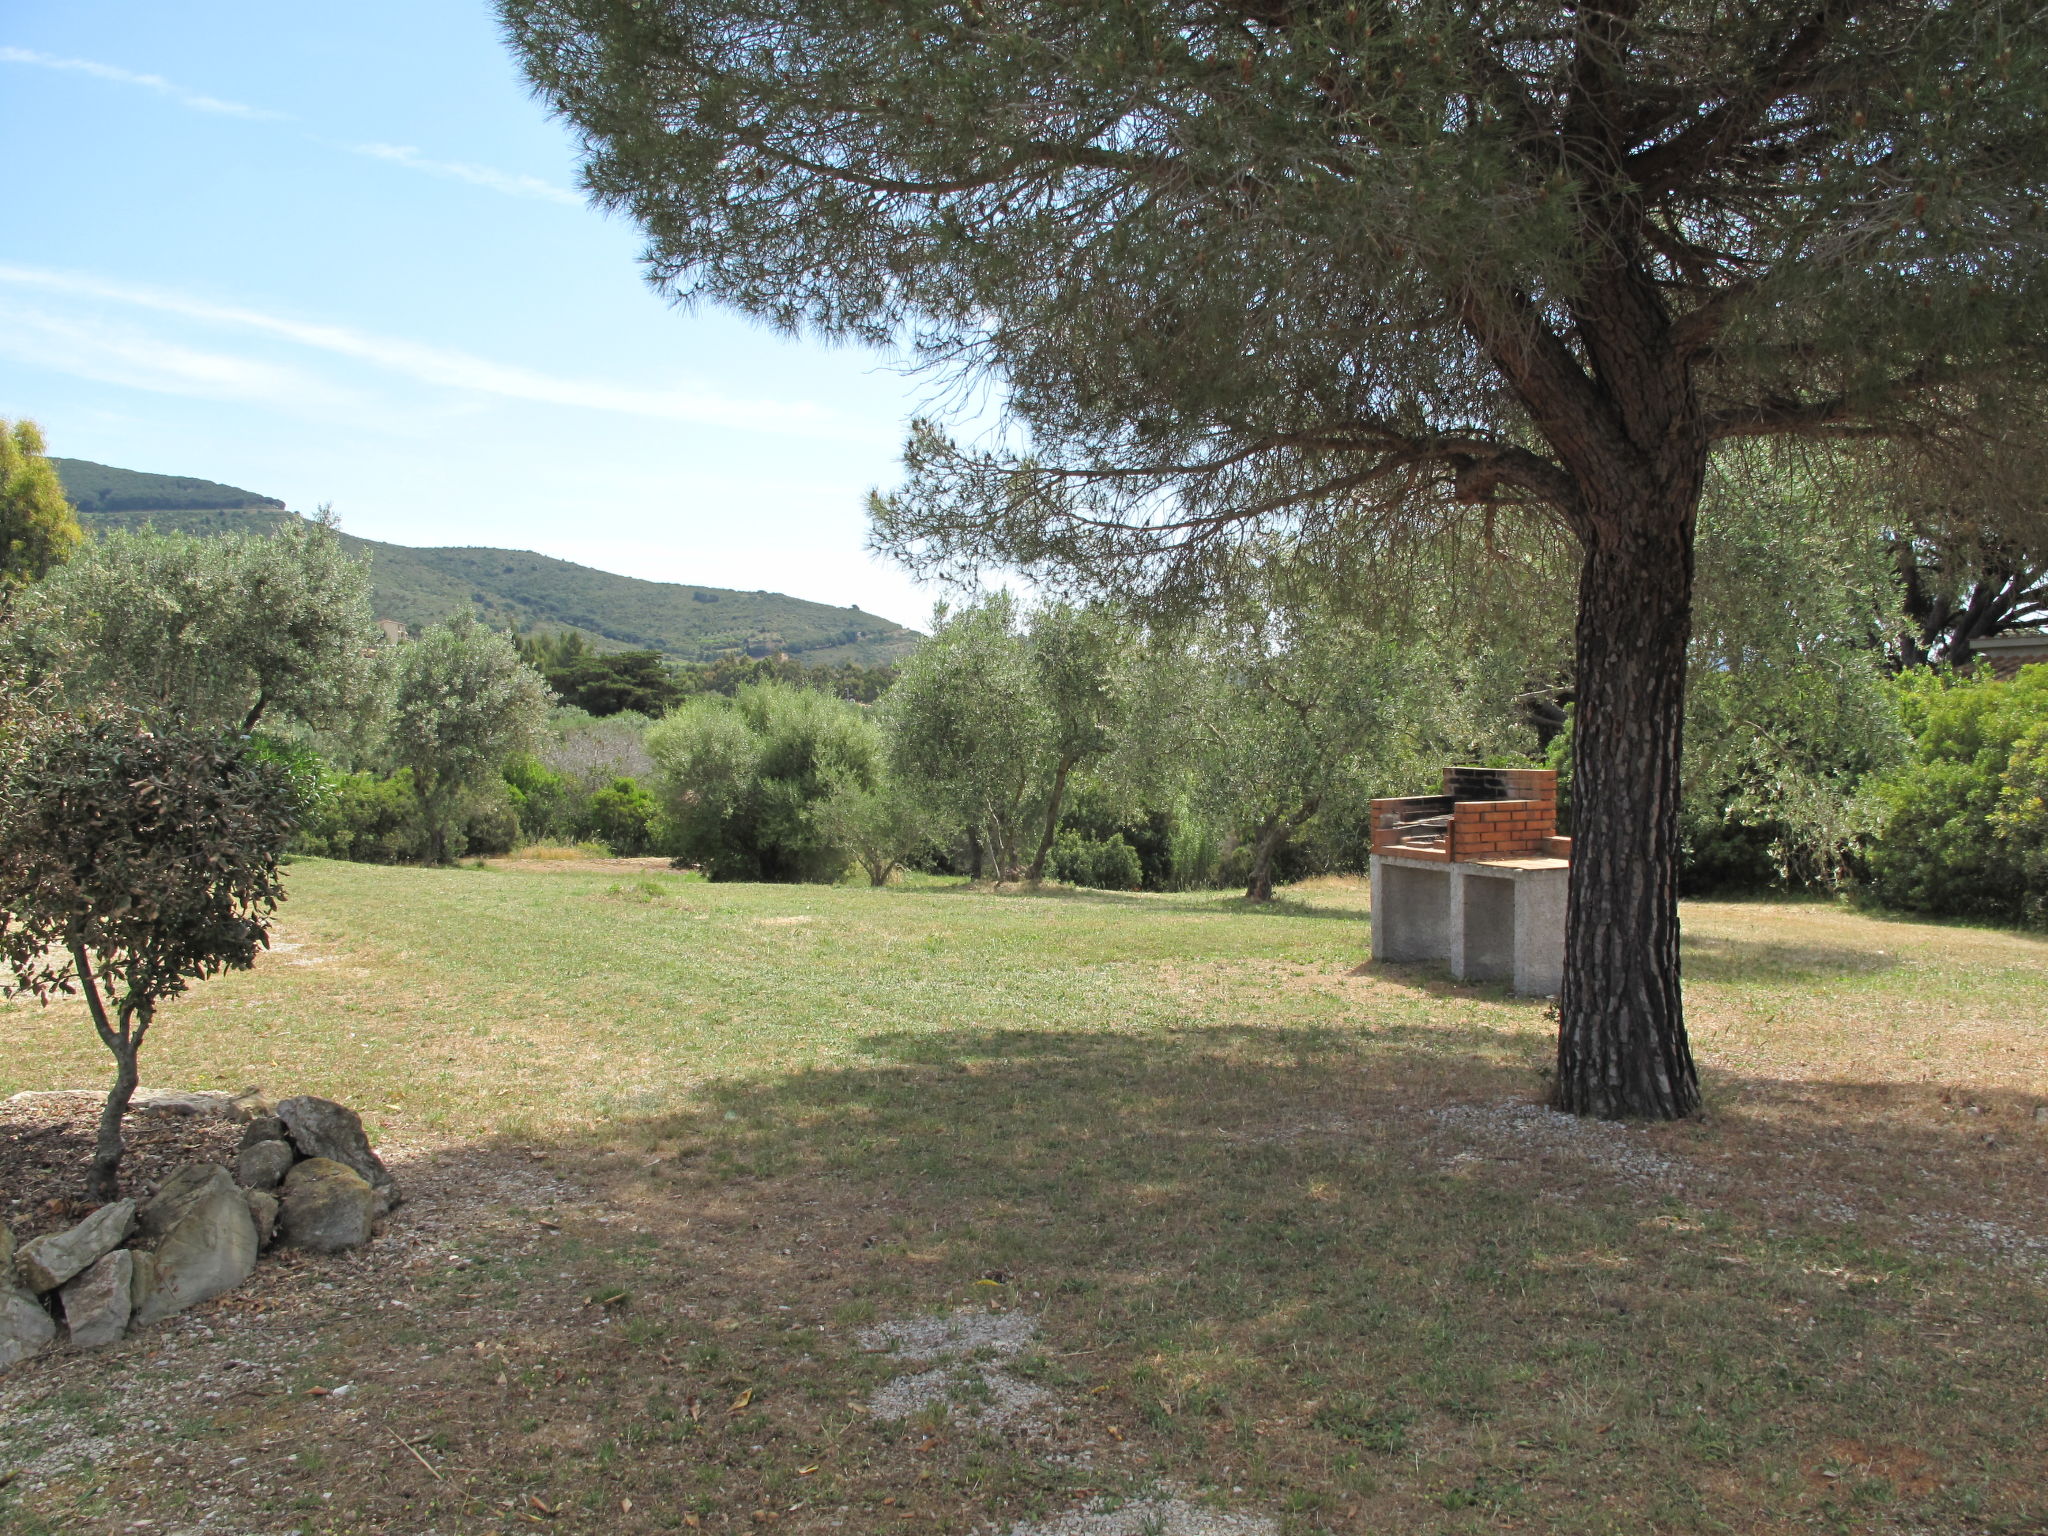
24, 1326
210, 1249
179, 1193
263, 1164
46, 1262
97, 1303
327, 1206
264, 1128
262, 1211
142, 1280
323, 1128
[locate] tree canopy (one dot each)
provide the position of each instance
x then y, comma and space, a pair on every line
37, 527
465, 702
1361, 273
228, 632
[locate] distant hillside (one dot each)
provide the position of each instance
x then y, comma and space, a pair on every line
103, 488
510, 588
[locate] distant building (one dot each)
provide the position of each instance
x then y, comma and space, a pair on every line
394, 631
2006, 654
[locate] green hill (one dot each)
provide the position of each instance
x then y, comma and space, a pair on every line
507, 587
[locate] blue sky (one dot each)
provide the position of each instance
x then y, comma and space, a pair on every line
335, 254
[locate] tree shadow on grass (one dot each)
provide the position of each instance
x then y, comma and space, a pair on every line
1712, 957
1195, 904
1352, 1274
1316, 1249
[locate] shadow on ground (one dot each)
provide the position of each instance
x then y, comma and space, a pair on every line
1196, 905
1359, 1282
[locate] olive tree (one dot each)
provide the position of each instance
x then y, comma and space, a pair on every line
463, 703
750, 783
133, 862
1361, 270
229, 632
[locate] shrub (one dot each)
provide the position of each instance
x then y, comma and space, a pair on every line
622, 816
1959, 835
367, 818
1103, 864
745, 780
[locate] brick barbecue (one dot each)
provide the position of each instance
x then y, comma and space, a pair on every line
1483, 813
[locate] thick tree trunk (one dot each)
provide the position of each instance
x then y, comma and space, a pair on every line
1621, 1046
1036, 872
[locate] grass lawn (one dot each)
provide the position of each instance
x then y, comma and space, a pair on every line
1288, 1234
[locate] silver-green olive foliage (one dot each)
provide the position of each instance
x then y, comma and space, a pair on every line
464, 702
227, 633
1352, 271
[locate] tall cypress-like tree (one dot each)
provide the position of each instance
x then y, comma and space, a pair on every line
1358, 270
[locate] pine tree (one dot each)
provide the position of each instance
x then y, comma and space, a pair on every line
1354, 272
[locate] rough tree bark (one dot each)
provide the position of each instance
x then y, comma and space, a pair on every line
1622, 1047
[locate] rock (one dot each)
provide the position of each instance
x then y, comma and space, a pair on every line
323, 1128
210, 1249
262, 1211
48, 1261
264, 1128
327, 1206
264, 1164
170, 1101
98, 1302
161, 1101
143, 1280
178, 1194
24, 1326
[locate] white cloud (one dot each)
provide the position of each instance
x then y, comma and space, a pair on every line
197, 101
476, 175
509, 183
113, 354
450, 369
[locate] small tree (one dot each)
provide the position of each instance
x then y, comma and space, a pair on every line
465, 703
1285, 717
880, 826
37, 527
1080, 656
133, 863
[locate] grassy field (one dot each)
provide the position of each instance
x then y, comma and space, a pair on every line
1295, 1238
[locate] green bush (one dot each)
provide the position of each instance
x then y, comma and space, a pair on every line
746, 781
366, 818
543, 801
622, 816
1103, 864
374, 819
1962, 834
